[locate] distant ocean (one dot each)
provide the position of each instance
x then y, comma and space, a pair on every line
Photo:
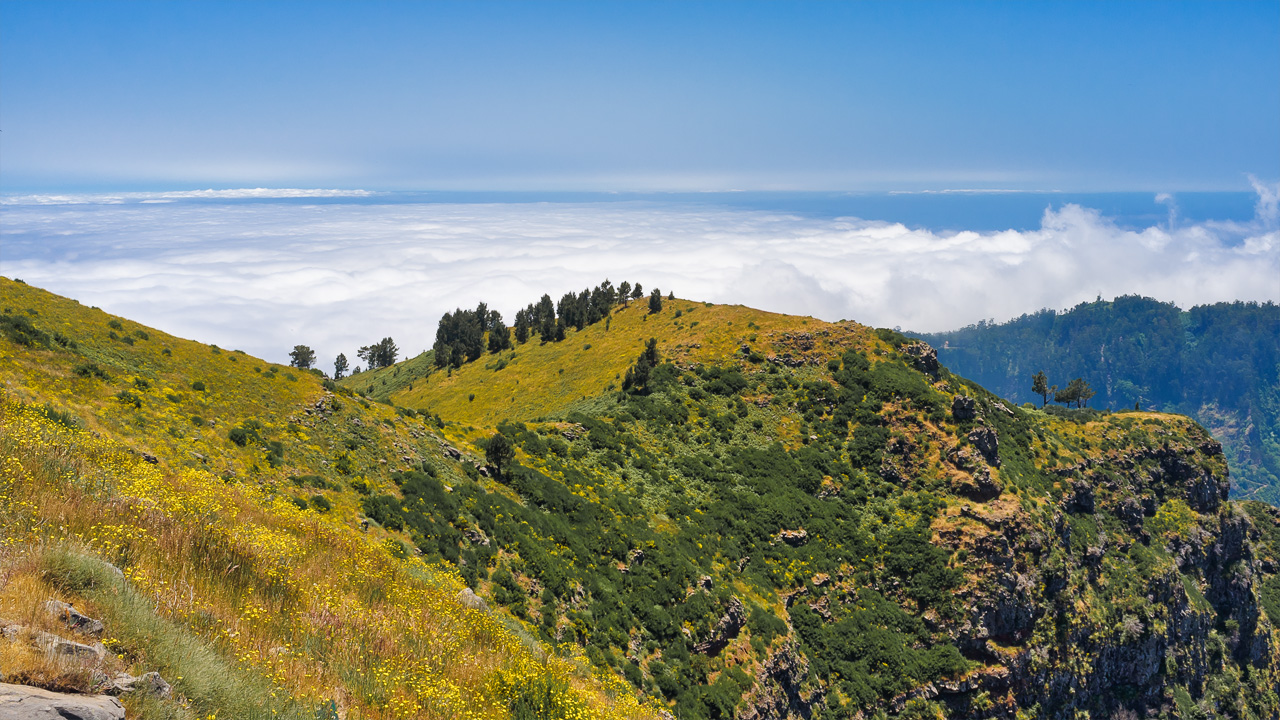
937, 211
942, 212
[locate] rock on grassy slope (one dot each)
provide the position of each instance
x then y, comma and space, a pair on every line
787, 519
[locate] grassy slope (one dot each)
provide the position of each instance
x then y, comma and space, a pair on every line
381, 384
542, 379
231, 584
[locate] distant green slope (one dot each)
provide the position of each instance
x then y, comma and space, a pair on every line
1220, 364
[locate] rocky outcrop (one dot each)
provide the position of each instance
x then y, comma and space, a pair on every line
980, 486
963, 408
53, 645
779, 692
984, 439
794, 538
726, 629
1032, 573
923, 357
20, 702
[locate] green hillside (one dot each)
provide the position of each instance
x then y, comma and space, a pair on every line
229, 492
1220, 364
774, 517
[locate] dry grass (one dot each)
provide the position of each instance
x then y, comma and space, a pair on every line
543, 379
232, 581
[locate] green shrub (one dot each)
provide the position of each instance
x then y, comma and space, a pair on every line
62, 417
198, 386
321, 503
765, 625
20, 330
128, 397
90, 370
344, 465
275, 453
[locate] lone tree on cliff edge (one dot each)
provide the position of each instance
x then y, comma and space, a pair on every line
1040, 386
302, 357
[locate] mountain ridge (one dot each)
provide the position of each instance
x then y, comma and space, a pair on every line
809, 526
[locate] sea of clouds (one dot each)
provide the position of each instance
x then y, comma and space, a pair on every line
264, 276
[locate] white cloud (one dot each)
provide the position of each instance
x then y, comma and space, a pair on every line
265, 276
171, 196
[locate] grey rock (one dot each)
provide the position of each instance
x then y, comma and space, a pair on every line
726, 629
985, 440
53, 644
150, 683
469, 599
981, 487
923, 357
779, 691
20, 702
73, 618
963, 407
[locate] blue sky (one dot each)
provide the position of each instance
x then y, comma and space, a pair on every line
639, 96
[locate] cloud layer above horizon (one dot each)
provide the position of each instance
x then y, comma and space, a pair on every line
263, 277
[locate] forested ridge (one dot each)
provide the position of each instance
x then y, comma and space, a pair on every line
1218, 363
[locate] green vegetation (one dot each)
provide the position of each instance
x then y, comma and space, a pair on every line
706, 510
1217, 363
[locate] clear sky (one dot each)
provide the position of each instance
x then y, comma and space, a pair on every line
1160, 96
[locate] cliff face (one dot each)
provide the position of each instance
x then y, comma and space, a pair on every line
1137, 588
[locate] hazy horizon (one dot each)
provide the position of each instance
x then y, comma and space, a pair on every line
265, 270
265, 174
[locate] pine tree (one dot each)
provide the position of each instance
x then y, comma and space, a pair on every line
655, 301
302, 357
339, 366
637, 377
522, 326
499, 452
1040, 386
499, 336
